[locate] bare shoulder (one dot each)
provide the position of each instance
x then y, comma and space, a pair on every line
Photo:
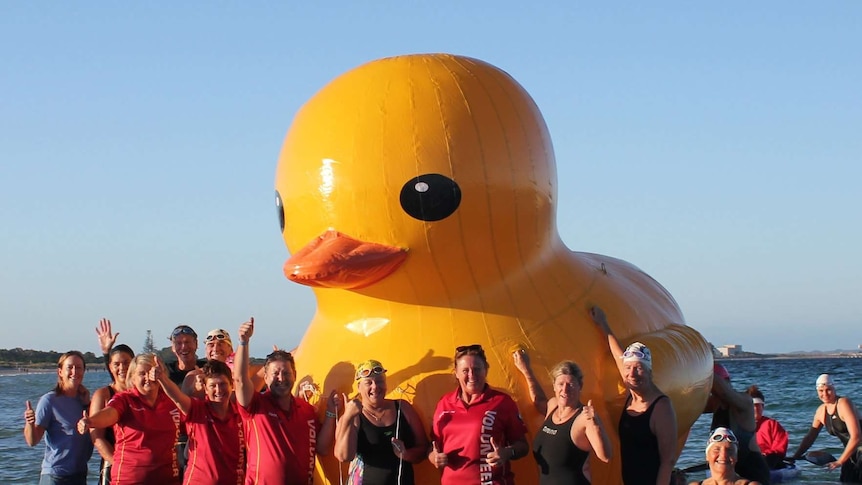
846, 407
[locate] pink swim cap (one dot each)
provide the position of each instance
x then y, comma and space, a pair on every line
721, 371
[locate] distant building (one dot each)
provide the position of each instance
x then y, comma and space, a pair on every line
730, 350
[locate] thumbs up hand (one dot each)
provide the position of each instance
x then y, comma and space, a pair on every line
437, 457
495, 457
29, 414
83, 423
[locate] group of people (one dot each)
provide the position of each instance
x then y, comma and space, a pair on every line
220, 421
745, 445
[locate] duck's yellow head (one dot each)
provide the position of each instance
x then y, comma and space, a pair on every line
435, 168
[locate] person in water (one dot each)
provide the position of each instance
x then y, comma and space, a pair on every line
647, 427
841, 419
771, 437
571, 430
735, 411
721, 456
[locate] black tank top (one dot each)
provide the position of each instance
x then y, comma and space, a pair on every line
374, 445
639, 446
836, 426
109, 431
560, 461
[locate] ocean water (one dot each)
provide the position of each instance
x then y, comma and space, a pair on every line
788, 385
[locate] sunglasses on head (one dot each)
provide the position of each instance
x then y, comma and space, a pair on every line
183, 330
218, 336
719, 437
634, 353
279, 354
367, 372
469, 348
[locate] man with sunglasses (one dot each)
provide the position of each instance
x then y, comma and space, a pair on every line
284, 435
184, 344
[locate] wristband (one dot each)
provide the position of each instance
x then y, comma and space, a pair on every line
243, 342
330, 414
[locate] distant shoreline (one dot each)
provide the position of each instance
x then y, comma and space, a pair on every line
753, 356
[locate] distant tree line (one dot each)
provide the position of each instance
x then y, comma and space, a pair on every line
19, 357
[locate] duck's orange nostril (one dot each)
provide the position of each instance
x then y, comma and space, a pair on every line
335, 260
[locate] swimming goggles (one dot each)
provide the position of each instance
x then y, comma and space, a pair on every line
634, 353
469, 348
722, 435
368, 372
218, 336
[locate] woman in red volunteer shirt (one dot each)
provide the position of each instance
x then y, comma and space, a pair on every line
476, 430
216, 449
146, 424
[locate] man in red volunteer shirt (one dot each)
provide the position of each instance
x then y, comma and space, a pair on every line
216, 447
283, 434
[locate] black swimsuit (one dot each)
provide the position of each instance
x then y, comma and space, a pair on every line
851, 470
639, 446
374, 446
560, 461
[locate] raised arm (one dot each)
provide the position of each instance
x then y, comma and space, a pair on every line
327, 431
347, 430
182, 400
537, 394
243, 386
107, 339
601, 320
740, 403
663, 426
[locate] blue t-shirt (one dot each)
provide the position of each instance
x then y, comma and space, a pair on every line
67, 451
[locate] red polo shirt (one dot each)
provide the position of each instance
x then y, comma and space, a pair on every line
146, 437
464, 433
281, 445
216, 447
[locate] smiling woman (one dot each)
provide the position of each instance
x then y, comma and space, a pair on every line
147, 425
66, 452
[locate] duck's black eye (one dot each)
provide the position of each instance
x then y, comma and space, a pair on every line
279, 207
430, 197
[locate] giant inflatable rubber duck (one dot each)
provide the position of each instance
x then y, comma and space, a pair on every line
417, 198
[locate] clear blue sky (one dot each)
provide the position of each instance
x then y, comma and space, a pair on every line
716, 145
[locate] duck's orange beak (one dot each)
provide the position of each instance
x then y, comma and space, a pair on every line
334, 260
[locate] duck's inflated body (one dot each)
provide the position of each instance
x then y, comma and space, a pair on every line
418, 195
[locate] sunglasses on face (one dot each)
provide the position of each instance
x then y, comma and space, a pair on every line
719, 437
468, 348
218, 336
184, 330
376, 370
634, 353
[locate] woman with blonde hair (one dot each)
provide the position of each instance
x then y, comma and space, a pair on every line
571, 430
146, 424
